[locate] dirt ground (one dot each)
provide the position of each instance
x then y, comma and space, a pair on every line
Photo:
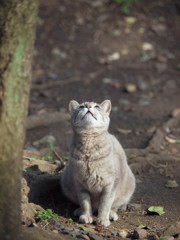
90, 50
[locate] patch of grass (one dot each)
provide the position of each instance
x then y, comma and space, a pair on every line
47, 215
125, 5
69, 221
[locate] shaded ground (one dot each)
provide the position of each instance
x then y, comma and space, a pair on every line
88, 50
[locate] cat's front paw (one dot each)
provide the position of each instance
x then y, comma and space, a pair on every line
113, 216
103, 221
85, 219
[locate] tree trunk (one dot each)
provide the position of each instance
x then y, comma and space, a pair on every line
17, 31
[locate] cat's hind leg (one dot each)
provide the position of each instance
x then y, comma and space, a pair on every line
113, 214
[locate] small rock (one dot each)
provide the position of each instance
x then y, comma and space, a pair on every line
114, 233
47, 139
52, 75
96, 4
123, 233
173, 230
142, 233
153, 237
116, 32
134, 206
124, 102
59, 53
115, 109
107, 80
147, 46
130, 88
171, 184
135, 235
55, 231
142, 85
175, 112
93, 236
168, 238
113, 57
161, 67
171, 84
85, 237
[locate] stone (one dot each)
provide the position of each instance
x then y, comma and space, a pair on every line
172, 230
142, 233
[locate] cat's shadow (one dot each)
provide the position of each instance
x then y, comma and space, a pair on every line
45, 190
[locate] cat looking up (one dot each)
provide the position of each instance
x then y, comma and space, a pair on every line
97, 176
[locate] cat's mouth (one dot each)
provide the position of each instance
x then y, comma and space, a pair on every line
89, 112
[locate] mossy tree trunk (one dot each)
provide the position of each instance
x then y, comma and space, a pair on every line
17, 31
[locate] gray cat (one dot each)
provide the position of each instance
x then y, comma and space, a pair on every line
97, 175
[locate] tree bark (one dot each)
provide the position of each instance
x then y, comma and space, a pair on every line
17, 31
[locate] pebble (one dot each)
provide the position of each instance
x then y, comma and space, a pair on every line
59, 53
173, 230
93, 236
96, 4
161, 67
52, 75
142, 85
135, 235
113, 57
46, 139
168, 238
123, 233
134, 206
142, 233
175, 112
107, 80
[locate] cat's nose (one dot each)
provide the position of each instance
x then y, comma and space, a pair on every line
88, 106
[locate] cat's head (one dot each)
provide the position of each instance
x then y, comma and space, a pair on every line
90, 117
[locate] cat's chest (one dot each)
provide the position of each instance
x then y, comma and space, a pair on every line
92, 176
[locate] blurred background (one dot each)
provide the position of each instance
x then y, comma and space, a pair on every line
125, 51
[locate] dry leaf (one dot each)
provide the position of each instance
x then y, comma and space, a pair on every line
124, 131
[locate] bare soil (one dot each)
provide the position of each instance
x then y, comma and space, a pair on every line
88, 50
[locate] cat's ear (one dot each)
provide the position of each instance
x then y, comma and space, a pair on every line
73, 105
106, 105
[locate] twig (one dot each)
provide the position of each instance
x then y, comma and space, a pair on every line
58, 156
129, 212
45, 225
55, 83
158, 165
31, 158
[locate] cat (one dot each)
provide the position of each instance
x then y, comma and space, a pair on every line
97, 175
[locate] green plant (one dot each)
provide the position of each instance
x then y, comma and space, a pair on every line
125, 5
69, 221
47, 215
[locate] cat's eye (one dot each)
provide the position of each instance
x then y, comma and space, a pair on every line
81, 106
97, 106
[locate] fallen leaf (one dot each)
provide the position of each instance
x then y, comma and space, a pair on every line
171, 184
141, 226
88, 229
156, 209
132, 156
172, 140
99, 228
124, 131
130, 88
130, 20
